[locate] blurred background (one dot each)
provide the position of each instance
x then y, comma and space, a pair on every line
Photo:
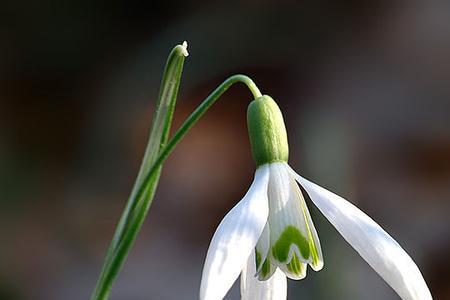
365, 91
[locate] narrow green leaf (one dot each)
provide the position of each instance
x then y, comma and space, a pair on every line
139, 202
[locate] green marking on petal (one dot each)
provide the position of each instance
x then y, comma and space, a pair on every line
290, 235
257, 259
265, 269
314, 253
262, 268
295, 266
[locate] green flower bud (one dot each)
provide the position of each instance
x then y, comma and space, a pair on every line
267, 131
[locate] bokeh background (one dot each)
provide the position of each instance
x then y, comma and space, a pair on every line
365, 91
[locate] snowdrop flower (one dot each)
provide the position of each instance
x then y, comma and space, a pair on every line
269, 234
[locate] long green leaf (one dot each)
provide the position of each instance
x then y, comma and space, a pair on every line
139, 203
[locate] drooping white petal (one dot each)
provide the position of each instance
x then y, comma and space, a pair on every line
294, 240
374, 245
275, 288
235, 239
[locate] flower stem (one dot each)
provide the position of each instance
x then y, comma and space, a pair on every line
194, 117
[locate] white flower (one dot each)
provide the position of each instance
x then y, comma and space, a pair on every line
269, 234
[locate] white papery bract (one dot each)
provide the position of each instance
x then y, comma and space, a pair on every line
269, 235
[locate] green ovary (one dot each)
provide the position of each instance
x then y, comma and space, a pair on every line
290, 235
267, 131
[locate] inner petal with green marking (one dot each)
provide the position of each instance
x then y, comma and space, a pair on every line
293, 238
290, 253
264, 269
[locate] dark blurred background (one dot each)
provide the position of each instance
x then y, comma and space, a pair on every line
365, 91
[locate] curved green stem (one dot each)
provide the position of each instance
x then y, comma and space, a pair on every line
194, 117
142, 197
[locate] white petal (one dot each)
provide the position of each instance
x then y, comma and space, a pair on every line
316, 258
293, 237
285, 210
275, 288
374, 245
235, 239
